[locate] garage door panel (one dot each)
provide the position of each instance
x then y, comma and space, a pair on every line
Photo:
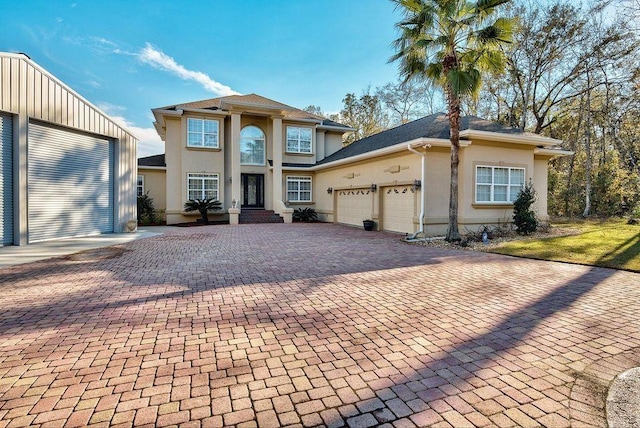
70, 183
354, 205
398, 209
6, 179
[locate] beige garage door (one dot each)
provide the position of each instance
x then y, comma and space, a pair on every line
398, 209
354, 205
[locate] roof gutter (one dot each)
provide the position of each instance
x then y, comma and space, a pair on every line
535, 140
553, 153
336, 128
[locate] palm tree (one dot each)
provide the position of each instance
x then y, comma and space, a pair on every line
451, 43
203, 206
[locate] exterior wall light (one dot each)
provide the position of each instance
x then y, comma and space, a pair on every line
416, 185
374, 187
330, 190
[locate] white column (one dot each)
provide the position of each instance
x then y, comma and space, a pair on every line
235, 158
277, 164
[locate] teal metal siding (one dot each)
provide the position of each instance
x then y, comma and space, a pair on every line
6, 179
70, 183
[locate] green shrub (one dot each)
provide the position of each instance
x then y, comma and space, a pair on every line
146, 210
305, 215
203, 206
524, 217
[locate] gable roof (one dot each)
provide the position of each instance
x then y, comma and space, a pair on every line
254, 100
155, 160
433, 126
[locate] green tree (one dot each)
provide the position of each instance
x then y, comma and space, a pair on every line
364, 114
451, 43
203, 206
524, 217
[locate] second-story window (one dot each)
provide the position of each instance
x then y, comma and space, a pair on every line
202, 133
252, 146
299, 139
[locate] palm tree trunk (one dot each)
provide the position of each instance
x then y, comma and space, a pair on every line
454, 136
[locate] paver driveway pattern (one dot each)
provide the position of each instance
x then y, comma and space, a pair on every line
291, 325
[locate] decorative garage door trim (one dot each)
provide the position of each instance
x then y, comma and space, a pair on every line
6, 179
398, 208
354, 205
70, 183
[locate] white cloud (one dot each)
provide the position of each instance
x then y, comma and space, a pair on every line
149, 142
162, 61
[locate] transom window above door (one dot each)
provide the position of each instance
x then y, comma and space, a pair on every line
252, 146
202, 133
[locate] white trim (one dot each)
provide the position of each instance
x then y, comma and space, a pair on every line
158, 168
535, 140
204, 176
202, 133
552, 152
138, 193
264, 146
299, 179
299, 128
493, 185
336, 128
293, 120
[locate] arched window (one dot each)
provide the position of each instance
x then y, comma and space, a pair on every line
252, 146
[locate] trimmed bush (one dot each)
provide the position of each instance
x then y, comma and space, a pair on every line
524, 217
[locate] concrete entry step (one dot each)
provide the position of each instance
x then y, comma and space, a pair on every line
253, 216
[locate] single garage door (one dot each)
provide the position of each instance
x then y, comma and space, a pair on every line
354, 205
398, 209
6, 179
70, 183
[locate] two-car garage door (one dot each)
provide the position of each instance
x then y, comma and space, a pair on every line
398, 206
70, 183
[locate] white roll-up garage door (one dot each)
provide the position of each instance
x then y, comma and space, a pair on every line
70, 183
354, 206
6, 179
398, 208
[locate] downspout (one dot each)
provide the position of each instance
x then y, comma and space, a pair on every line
422, 182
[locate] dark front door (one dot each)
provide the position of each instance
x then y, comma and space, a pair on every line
252, 191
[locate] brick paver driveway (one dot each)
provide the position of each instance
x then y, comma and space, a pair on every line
278, 325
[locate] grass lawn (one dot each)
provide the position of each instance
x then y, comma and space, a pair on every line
612, 243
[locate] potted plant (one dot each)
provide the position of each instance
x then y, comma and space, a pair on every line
368, 224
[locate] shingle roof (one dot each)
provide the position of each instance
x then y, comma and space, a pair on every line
155, 160
253, 100
433, 126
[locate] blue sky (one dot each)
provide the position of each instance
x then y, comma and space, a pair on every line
128, 57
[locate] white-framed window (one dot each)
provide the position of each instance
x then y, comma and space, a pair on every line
299, 140
202, 186
140, 185
202, 133
299, 189
498, 183
252, 146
